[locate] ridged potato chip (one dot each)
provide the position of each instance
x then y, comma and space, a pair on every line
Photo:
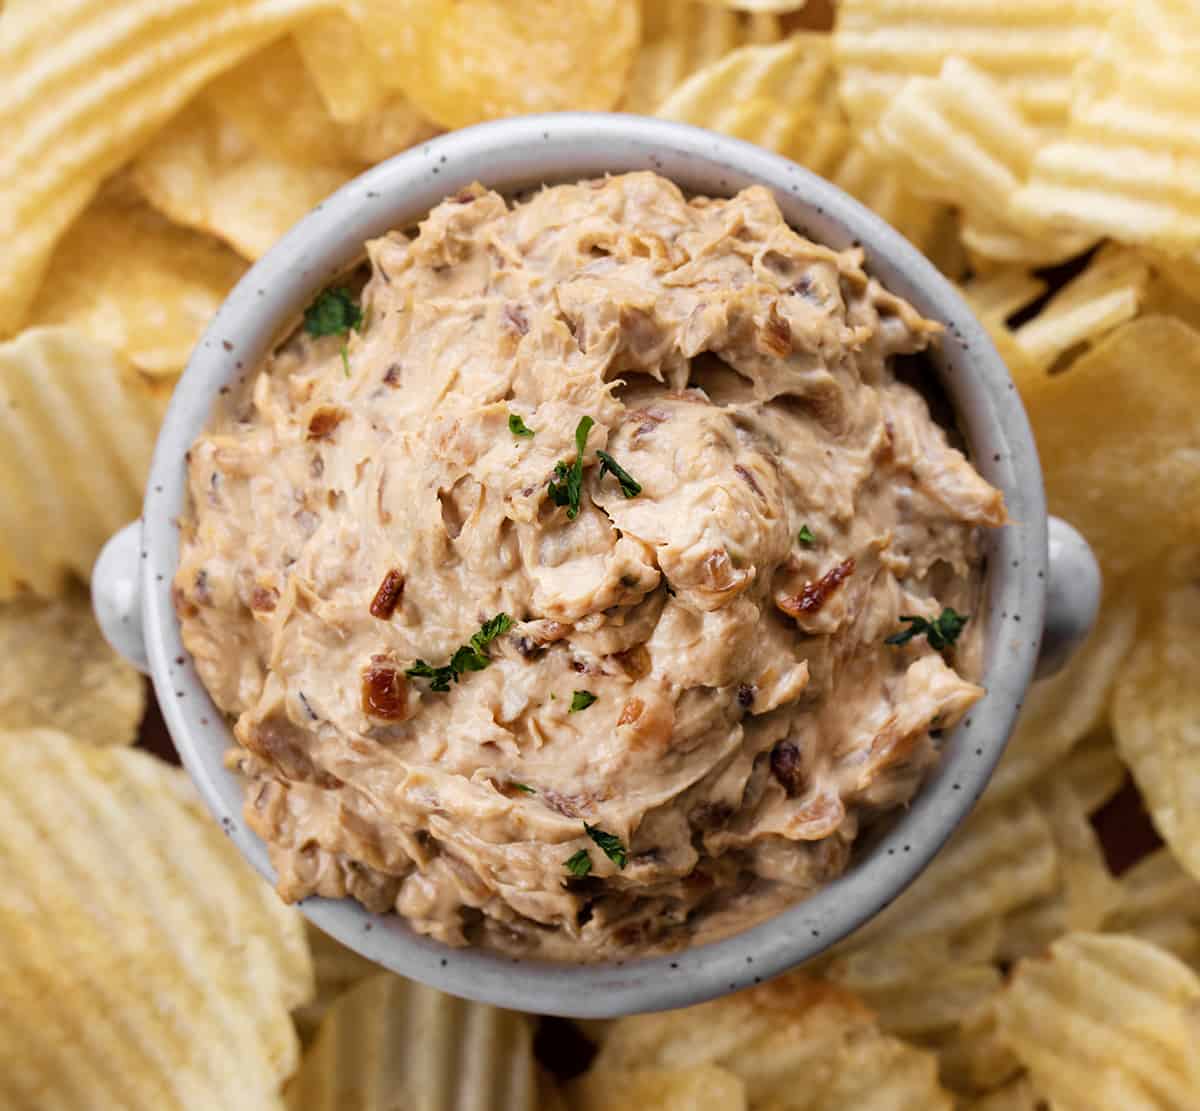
205, 173
775, 6
1128, 164
68, 121
795, 1043
1058, 712
391, 1043
465, 61
1106, 1022
142, 962
137, 283
1106, 294
696, 1088
1156, 719
1017, 1095
1117, 436
680, 37
1002, 293
77, 430
1161, 905
337, 969
59, 672
1093, 770
1029, 46
972, 1058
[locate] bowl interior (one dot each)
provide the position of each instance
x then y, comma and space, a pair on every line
518, 154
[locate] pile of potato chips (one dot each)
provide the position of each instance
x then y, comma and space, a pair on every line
1044, 153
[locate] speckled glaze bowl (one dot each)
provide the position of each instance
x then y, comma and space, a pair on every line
1034, 595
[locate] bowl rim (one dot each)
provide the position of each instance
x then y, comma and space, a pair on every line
518, 153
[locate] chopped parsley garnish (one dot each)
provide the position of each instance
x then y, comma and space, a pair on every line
566, 486
579, 864
524, 788
470, 657
630, 487
333, 313
942, 631
345, 361
581, 700
805, 536
609, 843
518, 427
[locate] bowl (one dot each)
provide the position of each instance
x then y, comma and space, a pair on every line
1035, 592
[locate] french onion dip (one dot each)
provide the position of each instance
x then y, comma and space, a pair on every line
587, 582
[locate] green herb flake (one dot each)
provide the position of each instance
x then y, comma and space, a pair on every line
345, 361
610, 845
581, 700
333, 313
630, 487
518, 427
524, 788
470, 657
941, 632
806, 537
566, 487
579, 864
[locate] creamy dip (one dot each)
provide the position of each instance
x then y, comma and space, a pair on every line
680, 707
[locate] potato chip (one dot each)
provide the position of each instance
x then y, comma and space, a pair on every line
1163, 297
507, 59
347, 74
777, 6
696, 1088
1002, 293
136, 283
60, 672
1128, 164
76, 434
956, 138
1156, 719
1105, 1021
204, 173
391, 1043
680, 37
1029, 46
1106, 294
337, 970
1058, 712
1117, 437
142, 963
972, 1058
1001, 858
83, 93
1017, 1095
1093, 770
1161, 905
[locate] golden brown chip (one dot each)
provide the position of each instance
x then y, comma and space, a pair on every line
1156, 719
1105, 1022
132, 280
1002, 293
1093, 770
142, 963
1126, 165
203, 172
696, 1088
680, 37
971, 1057
1117, 436
59, 672
1016, 1095
83, 93
391, 1043
1161, 904
464, 61
349, 77
337, 969
76, 433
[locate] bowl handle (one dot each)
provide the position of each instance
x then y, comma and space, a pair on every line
1072, 596
117, 595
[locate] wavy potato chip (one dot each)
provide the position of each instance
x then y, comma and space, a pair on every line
465, 61
795, 1043
971, 1057
680, 37
1156, 719
348, 76
337, 969
1002, 293
391, 1043
68, 121
137, 283
1017, 1095
204, 173
1029, 46
1117, 436
1093, 770
1105, 1022
142, 963
1128, 164
774, 6
696, 1088
1161, 905
59, 672
77, 430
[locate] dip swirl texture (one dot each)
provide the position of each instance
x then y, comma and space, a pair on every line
679, 708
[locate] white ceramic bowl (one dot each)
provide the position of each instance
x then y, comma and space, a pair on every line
132, 580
